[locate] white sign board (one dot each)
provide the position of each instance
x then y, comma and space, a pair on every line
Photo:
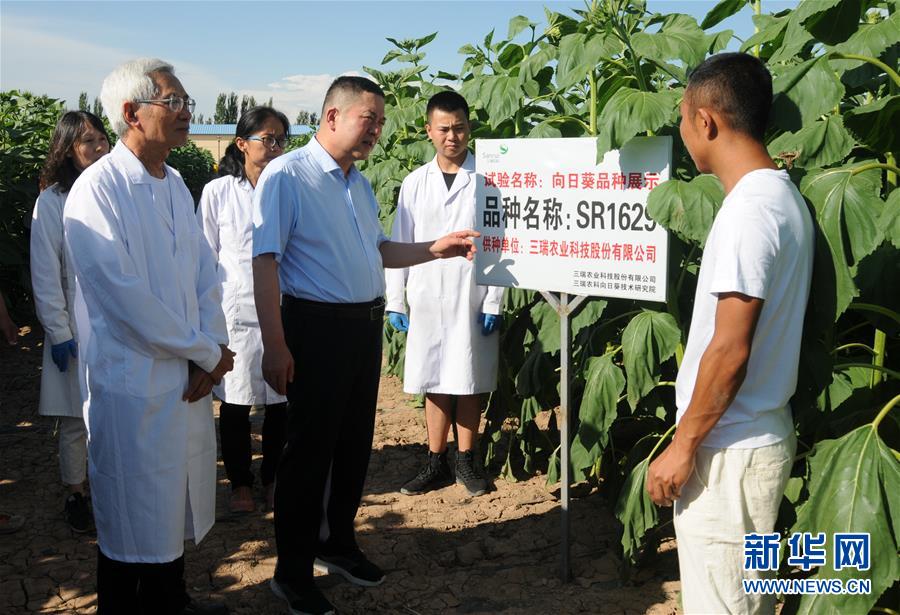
551, 218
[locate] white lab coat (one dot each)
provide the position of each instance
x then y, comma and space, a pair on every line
147, 301
53, 283
226, 218
445, 350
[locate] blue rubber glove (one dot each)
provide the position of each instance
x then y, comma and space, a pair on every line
489, 323
60, 353
399, 321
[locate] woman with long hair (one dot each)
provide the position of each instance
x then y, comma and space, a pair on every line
78, 141
226, 219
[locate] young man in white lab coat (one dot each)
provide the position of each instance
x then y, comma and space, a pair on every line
152, 336
451, 352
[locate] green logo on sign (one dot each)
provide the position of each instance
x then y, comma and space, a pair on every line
503, 149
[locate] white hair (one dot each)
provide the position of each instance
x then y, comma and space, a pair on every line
127, 83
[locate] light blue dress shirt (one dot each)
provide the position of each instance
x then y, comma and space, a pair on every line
321, 226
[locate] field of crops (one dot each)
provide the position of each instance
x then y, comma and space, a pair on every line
614, 70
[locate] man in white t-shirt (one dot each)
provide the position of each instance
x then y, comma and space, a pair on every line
727, 466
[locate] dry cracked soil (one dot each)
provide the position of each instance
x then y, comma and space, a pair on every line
443, 552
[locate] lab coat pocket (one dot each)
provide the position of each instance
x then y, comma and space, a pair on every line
149, 377
243, 310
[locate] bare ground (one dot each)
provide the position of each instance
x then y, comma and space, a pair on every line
443, 552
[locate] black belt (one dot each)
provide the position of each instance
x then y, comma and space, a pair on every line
370, 310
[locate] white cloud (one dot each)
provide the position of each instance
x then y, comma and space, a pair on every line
295, 93
62, 67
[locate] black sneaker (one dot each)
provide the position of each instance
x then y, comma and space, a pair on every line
306, 601
77, 513
435, 474
353, 566
467, 476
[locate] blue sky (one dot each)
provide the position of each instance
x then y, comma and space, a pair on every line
287, 50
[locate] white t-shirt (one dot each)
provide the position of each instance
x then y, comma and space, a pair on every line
760, 245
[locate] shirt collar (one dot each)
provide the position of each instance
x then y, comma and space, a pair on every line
468, 165
135, 170
327, 163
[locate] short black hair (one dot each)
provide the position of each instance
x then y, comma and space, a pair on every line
352, 86
448, 101
739, 86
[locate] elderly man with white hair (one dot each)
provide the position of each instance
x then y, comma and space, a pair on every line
151, 326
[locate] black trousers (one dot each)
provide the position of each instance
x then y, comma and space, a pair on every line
234, 431
331, 421
125, 588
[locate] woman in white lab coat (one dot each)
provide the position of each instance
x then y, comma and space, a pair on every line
78, 141
225, 216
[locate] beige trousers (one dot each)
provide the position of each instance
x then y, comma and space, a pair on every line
732, 492
72, 450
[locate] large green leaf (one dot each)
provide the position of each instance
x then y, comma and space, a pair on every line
848, 209
854, 487
536, 62
545, 130
385, 170
878, 278
831, 24
634, 508
579, 55
687, 208
679, 38
796, 37
819, 144
546, 320
875, 124
807, 9
872, 39
769, 30
844, 382
721, 11
648, 340
719, 41
629, 112
511, 56
604, 382
890, 220
804, 92
607, 87
517, 24
499, 95
532, 377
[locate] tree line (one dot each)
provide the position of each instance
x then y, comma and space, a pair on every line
228, 109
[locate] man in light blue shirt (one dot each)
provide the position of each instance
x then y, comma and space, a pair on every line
318, 248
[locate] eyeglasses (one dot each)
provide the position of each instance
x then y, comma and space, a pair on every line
175, 103
268, 140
